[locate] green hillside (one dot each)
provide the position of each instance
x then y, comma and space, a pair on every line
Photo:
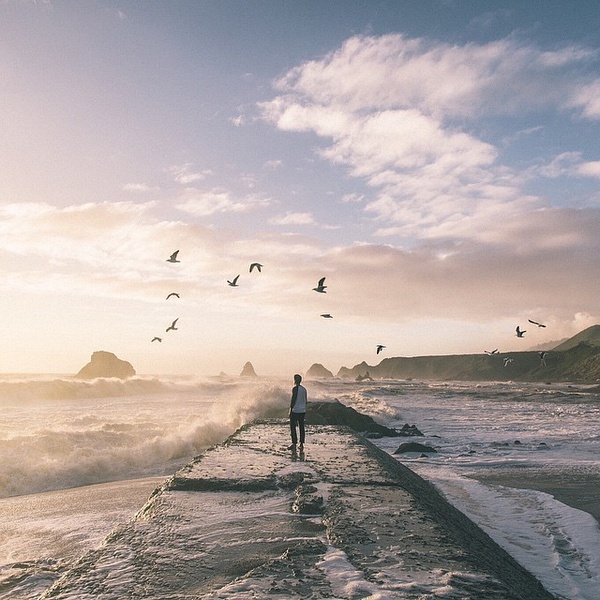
579, 361
590, 336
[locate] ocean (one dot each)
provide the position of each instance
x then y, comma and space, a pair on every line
78, 458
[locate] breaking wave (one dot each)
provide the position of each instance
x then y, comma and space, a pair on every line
60, 433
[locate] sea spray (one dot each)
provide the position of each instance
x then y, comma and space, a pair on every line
59, 433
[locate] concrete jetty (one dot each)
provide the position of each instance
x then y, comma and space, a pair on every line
250, 518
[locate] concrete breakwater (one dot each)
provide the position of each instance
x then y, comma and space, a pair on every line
252, 519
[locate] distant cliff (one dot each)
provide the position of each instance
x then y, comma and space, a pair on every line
106, 364
579, 362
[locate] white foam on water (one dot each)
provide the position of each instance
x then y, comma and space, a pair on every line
85, 438
556, 543
41, 534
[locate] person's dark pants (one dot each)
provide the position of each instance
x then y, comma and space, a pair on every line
297, 420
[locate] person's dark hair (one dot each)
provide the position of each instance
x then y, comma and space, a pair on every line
297, 378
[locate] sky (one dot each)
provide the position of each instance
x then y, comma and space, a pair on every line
437, 161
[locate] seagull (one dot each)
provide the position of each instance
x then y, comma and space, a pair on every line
327, 316
520, 333
507, 361
173, 294
536, 323
543, 358
257, 265
234, 282
380, 347
321, 286
172, 326
156, 339
173, 257
492, 351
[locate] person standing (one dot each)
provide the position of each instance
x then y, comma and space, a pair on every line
297, 412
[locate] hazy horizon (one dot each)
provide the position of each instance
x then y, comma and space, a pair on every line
436, 161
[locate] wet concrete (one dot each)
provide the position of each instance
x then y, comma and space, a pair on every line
251, 519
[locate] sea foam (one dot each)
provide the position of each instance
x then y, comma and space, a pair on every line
62, 433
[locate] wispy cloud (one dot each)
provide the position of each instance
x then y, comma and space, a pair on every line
403, 114
217, 200
590, 169
293, 218
138, 187
185, 174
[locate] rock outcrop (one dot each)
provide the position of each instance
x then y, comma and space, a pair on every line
318, 371
577, 363
414, 447
106, 364
336, 413
248, 371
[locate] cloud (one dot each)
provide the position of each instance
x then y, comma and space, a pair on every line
543, 261
218, 200
138, 187
393, 72
293, 218
352, 198
184, 175
403, 114
587, 97
590, 169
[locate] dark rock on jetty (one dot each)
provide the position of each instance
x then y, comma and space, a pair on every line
318, 371
106, 364
251, 519
336, 413
248, 371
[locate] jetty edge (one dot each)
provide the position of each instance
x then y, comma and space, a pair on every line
249, 518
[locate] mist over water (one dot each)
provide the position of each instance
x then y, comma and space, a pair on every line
60, 433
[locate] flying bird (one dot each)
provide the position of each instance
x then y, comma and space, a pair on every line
507, 361
380, 347
543, 358
257, 265
156, 339
173, 257
173, 294
491, 351
172, 327
233, 283
321, 286
536, 323
520, 333
327, 316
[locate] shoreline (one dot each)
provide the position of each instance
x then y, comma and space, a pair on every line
577, 490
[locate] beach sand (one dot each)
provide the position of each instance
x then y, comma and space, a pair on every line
578, 490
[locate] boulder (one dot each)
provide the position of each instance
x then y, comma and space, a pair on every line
248, 371
410, 430
336, 413
414, 447
318, 371
365, 377
106, 364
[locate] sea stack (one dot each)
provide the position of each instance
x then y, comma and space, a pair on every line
318, 371
106, 364
248, 371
